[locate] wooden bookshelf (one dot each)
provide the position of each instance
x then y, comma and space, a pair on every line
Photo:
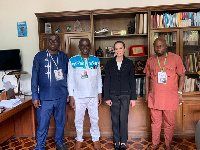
118, 19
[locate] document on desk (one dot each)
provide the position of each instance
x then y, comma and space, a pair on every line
10, 103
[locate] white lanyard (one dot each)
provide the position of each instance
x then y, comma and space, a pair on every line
56, 64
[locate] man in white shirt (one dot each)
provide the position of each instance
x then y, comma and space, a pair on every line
85, 88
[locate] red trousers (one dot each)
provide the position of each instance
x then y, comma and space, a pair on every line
169, 123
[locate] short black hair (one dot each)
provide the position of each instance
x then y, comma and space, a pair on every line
119, 42
53, 35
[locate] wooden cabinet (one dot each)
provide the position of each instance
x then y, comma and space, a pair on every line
117, 20
191, 113
18, 121
138, 121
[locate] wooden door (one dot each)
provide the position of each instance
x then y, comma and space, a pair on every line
72, 42
191, 115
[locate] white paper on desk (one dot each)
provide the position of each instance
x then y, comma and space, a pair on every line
10, 103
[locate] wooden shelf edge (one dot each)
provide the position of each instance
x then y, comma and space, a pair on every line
191, 73
192, 93
127, 35
125, 56
66, 33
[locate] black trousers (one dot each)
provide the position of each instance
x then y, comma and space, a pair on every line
119, 115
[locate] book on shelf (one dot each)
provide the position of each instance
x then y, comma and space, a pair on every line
193, 85
197, 55
198, 19
185, 63
158, 21
186, 87
137, 23
141, 24
155, 21
140, 86
191, 62
145, 23
190, 85
152, 26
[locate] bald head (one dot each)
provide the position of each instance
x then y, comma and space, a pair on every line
160, 47
159, 39
84, 39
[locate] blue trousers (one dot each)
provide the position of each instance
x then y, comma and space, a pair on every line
58, 109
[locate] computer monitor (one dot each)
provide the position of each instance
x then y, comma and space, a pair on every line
10, 60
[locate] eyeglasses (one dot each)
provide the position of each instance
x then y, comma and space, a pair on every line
53, 41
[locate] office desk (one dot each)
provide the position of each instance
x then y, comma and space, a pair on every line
18, 121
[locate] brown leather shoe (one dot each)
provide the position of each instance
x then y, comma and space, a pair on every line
97, 145
152, 147
78, 145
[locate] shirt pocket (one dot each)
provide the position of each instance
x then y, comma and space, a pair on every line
153, 73
93, 72
170, 71
78, 71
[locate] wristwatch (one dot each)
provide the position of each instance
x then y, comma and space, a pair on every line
179, 92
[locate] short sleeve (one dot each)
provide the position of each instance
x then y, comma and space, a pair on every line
180, 69
147, 68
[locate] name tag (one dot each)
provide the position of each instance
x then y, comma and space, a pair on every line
59, 75
84, 74
162, 77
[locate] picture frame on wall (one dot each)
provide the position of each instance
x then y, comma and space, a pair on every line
22, 29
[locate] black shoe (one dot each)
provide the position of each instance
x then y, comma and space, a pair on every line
117, 146
123, 147
61, 147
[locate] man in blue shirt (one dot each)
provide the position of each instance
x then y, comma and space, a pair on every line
49, 91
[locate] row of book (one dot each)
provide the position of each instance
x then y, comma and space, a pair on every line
192, 62
141, 23
170, 37
140, 87
180, 19
191, 85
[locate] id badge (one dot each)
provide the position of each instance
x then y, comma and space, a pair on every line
84, 74
162, 77
59, 75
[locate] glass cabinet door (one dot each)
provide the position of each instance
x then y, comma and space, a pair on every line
170, 35
190, 53
190, 49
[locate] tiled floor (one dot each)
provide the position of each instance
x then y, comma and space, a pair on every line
28, 143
